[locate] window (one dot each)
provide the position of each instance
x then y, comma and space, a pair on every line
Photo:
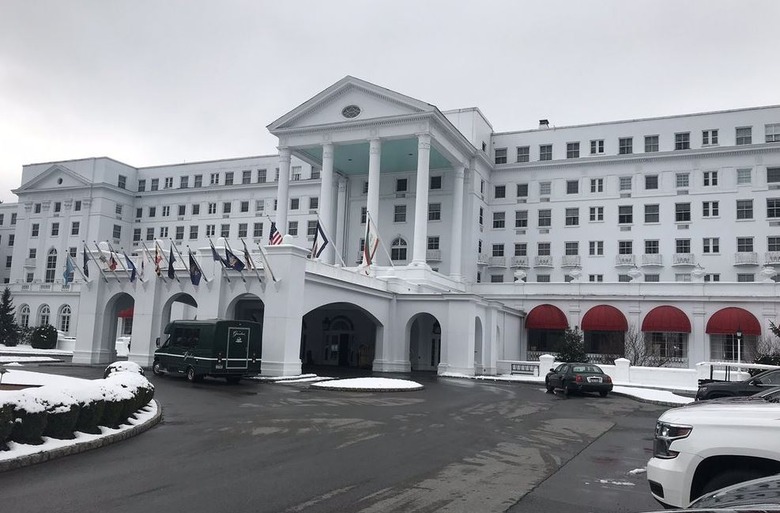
652, 278
227, 207
746, 277
773, 207
772, 176
545, 218
545, 152
543, 278
193, 231
596, 146
496, 278
543, 248
257, 230
168, 182
11, 238
196, 209
625, 145
545, 188
262, 175
182, 210
744, 135
295, 173
155, 184
773, 243
398, 249
498, 250
8, 260
259, 206
179, 233
522, 190
136, 234
198, 181
499, 219
772, 132
481, 216
435, 183
625, 247
314, 203
33, 253
682, 179
652, 213
596, 214
24, 316
229, 178
51, 266
595, 278
401, 185
682, 277
521, 249
184, 182
57, 208
166, 211
744, 209
572, 217
363, 215
141, 185
710, 209
499, 191
745, 244
682, 246
624, 278
292, 228
315, 173
150, 234
34, 230
573, 150
625, 214
246, 177
596, 185
682, 141
572, 186
523, 154
399, 214
242, 230
651, 182
224, 231
572, 248
596, 248
710, 178
74, 227
500, 155
711, 245
652, 247
55, 229
625, 183
744, 176
117, 231
434, 212
521, 218
709, 137
651, 143
295, 203
212, 208
37, 208
682, 212
76, 207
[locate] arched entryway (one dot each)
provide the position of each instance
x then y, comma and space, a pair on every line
424, 335
117, 330
478, 350
546, 325
180, 306
338, 335
604, 327
665, 332
734, 334
246, 307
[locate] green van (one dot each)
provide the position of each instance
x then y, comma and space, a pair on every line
220, 348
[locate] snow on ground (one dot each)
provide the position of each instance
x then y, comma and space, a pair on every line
650, 394
20, 377
27, 359
23, 348
369, 384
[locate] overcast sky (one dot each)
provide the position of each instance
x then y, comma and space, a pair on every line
163, 82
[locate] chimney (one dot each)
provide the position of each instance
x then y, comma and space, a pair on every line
544, 124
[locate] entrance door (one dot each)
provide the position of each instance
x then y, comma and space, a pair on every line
237, 353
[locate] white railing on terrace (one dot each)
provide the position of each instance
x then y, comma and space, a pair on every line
772, 257
652, 259
518, 261
745, 258
433, 255
621, 260
543, 261
683, 259
482, 259
570, 261
497, 261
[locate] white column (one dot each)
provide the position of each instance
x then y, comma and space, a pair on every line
457, 224
421, 201
326, 200
341, 214
374, 158
282, 191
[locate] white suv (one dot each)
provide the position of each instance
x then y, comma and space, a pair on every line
708, 445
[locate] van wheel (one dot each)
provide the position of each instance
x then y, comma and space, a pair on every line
157, 368
191, 376
233, 379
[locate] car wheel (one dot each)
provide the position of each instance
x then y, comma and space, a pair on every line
157, 368
191, 376
603, 394
566, 391
550, 388
728, 478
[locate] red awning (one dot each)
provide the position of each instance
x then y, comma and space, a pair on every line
126, 313
546, 317
604, 318
666, 319
732, 319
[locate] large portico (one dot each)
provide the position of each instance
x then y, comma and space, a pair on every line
355, 128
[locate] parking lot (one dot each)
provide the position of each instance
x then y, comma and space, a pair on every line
457, 445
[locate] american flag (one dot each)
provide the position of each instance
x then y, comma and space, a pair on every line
275, 237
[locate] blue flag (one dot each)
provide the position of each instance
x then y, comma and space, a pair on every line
232, 261
171, 260
215, 255
131, 267
85, 267
195, 272
67, 276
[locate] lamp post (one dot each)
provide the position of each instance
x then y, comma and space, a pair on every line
739, 346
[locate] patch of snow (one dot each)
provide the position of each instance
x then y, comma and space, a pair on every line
370, 384
6, 360
613, 482
653, 395
637, 471
20, 377
26, 349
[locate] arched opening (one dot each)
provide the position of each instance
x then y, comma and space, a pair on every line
605, 329
338, 335
117, 326
665, 332
546, 325
246, 307
24, 316
44, 312
63, 319
478, 345
734, 334
424, 335
398, 250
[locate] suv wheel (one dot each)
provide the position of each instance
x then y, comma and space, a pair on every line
728, 478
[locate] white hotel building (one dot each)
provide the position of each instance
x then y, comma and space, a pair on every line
493, 243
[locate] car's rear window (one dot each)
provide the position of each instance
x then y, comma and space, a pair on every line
587, 368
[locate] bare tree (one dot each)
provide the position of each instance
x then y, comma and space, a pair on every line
639, 352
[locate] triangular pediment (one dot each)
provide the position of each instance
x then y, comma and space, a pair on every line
350, 100
55, 177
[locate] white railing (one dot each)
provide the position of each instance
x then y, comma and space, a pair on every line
625, 260
482, 259
772, 257
683, 259
570, 261
543, 261
497, 261
745, 258
652, 259
433, 255
518, 261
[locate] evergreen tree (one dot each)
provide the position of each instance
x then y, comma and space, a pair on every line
9, 330
573, 347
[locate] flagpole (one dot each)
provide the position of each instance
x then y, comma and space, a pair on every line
93, 259
156, 264
100, 251
227, 245
189, 252
173, 245
266, 264
169, 261
77, 267
254, 267
111, 248
335, 249
381, 242
147, 255
221, 262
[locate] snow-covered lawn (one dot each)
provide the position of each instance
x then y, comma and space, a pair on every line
29, 350
369, 384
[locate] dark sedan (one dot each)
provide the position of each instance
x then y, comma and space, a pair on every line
578, 377
750, 386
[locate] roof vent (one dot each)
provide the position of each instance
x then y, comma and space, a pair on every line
544, 123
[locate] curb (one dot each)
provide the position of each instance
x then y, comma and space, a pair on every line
648, 401
59, 452
349, 389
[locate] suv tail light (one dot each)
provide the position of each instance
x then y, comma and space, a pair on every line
578, 378
606, 379
665, 434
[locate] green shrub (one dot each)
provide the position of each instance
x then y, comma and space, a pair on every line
90, 416
61, 422
112, 413
6, 424
44, 337
30, 419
